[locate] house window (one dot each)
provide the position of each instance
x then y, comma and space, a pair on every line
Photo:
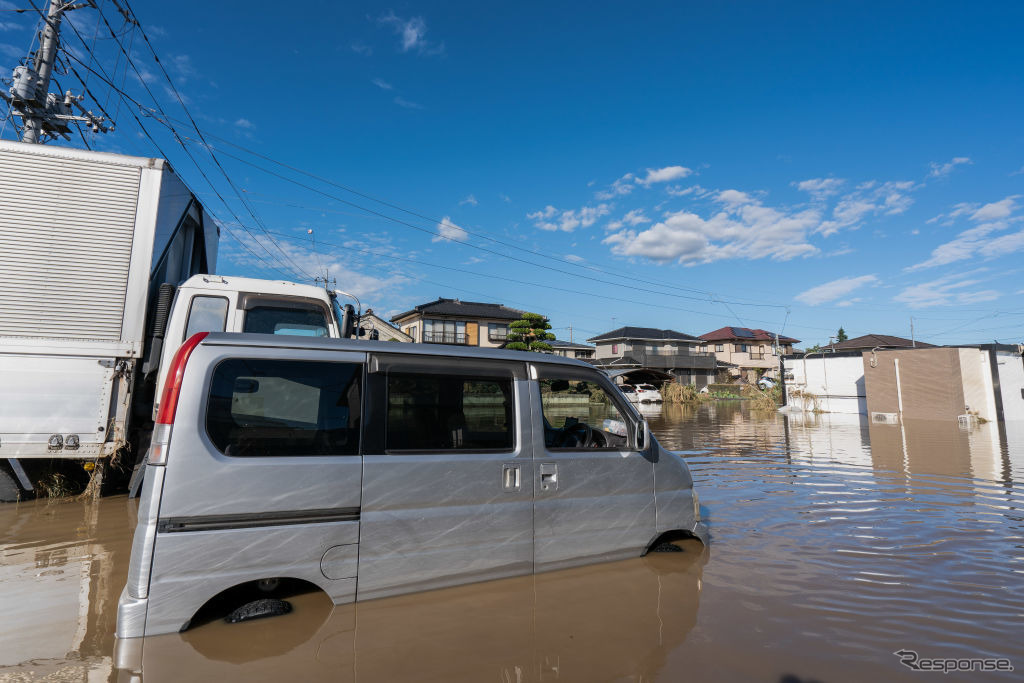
742, 348
411, 331
719, 347
444, 332
703, 348
615, 348
497, 332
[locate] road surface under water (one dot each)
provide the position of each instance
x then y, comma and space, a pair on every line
834, 544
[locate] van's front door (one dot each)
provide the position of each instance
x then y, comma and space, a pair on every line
447, 474
594, 489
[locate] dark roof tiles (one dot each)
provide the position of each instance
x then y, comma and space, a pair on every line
467, 309
745, 334
629, 332
885, 341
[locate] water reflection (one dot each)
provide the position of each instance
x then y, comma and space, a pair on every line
834, 543
606, 622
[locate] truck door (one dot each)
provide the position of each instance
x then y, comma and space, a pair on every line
447, 471
594, 490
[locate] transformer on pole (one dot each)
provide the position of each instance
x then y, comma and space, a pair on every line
45, 114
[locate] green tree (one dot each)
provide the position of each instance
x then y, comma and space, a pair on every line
529, 333
841, 335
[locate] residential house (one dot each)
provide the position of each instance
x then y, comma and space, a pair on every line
450, 321
746, 353
371, 326
663, 354
869, 342
572, 349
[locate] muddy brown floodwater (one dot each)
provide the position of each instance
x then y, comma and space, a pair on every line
834, 544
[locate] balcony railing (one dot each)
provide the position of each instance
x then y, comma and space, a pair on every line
674, 360
444, 338
757, 355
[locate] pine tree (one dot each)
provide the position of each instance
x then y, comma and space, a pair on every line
841, 335
529, 333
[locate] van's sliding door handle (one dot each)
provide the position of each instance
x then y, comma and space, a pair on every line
548, 476
510, 478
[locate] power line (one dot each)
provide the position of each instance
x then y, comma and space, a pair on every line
131, 12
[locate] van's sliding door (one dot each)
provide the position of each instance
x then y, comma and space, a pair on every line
447, 474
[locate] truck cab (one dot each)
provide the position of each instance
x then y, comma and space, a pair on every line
212, 303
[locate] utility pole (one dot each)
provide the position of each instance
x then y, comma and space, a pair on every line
913, 342
42, 112
570, 333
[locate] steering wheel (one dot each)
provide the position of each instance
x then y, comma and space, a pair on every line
580, 432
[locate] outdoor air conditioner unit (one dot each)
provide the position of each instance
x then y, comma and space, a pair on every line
885, 418
967, 421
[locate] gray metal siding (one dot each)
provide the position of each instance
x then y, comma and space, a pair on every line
66, 229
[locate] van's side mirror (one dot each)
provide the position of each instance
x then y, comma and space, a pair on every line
349, 321
643, 435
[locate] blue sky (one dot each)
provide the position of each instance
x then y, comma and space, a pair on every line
791, 166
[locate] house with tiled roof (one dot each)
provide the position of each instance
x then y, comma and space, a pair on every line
571, 349
869, 342
747, 353
451, 321
666, 354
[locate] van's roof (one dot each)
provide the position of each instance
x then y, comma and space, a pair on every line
442, 350
248, 284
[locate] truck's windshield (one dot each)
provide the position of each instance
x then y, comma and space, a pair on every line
279, 320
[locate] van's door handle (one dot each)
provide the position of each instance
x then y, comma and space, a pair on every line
548, 476
510, 480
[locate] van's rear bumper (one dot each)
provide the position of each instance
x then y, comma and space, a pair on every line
131, 616
700, 530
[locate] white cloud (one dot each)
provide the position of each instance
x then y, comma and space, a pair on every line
742, 228
945, 291
980, 240
550, 218
505, 198
361, 49
245, 124
679, 191
574, 258
868, 199
830, 291
635, 217
996, 210
11, 51
402, 102
942, 170
663, 175
382, 84
819, 188
471, 200
412, 34
622, 186
449, 232
10, 26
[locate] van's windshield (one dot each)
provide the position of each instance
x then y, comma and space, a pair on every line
289, 321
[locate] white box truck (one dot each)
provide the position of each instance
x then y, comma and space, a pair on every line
101, 263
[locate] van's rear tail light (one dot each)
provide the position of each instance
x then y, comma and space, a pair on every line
169, 400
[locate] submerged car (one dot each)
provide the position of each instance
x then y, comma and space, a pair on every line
647, 393
629, 391
367, 469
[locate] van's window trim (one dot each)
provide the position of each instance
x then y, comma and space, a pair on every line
363, 406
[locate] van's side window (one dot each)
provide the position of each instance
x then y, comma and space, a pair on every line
446, 412
206, 314
263, 407
580, 414
291, 321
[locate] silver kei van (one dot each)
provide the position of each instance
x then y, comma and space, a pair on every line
369, 469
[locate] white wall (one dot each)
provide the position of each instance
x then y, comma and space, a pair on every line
836, 384
1011, 384
976, 374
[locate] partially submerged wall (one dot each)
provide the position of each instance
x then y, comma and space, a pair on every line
833, 383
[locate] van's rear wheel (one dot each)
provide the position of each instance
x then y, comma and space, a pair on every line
10, 492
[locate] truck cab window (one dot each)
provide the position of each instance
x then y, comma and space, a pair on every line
303, 322
580, 414
206, 314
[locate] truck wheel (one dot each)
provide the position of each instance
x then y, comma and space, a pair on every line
10, 492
